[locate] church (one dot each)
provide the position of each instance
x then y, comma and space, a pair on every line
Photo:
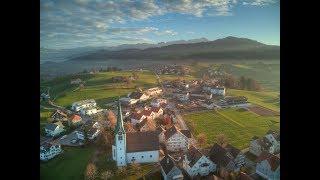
137, 147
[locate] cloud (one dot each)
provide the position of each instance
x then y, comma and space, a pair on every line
166, 32
68, 21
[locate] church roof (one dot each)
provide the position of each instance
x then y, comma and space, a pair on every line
119, 126
142, 141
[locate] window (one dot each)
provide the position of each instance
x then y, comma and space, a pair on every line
142, 157
151, 156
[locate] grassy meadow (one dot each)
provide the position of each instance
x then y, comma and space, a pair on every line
238, 126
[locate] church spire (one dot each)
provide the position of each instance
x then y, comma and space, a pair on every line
119, 126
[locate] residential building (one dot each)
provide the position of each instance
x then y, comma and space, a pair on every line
75, 119
139, 96
59, 115
93, 133
54, 129
153, 91
88, 111
195, 163
268, 166
49, 150
89, 103
176, 140
137, 118
226, 158
137, 147
258, 145
128, 101
169, 169
158, 102
216, 90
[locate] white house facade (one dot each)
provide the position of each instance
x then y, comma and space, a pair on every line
54, 129
169, 169
195, 163
88, 111
48, 151
175, 140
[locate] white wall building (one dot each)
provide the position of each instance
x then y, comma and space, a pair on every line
48, 151
175, 140
89, 103
153, 91
169, 169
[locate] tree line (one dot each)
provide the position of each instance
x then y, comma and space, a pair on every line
243, 83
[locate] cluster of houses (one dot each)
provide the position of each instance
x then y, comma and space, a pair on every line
59, 119
173, 69
139, 96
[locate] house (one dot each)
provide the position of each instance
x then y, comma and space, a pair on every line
128, 101
49, 150
169, 169
145, 125
237, 101
59, 115
176, 140
157, 112
93, 133
183, 97
258, 145
75, 119
227, 158
54, 129
44, 96
274, 139
76, 81
137, 118
88, 111
89, 103
139, 96
77, 136
268, 166
216, 90
153, 91
136, 147
158, 102
195, 163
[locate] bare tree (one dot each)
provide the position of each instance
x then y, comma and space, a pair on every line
136, 168
202, 139
222, 140
112, 118
91, 172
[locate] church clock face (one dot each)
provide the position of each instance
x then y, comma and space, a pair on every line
120, 136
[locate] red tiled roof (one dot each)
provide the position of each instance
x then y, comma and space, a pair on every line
75, 117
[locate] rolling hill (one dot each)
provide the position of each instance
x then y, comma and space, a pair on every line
225, 48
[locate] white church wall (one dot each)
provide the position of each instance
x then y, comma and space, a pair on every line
143, 157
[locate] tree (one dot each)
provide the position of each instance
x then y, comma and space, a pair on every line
242, 82
91, 171
202, 139
112, 119
106, 175
222, 140
122, 172
231, 82
136, 168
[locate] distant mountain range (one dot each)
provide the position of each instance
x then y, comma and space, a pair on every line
232, 48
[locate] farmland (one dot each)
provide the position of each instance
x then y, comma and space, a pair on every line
69, 165
238, 125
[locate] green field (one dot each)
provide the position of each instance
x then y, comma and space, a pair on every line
238, 126
267, 73
266, 99
98, 86
70, 165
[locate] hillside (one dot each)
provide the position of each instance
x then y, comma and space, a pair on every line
226, 48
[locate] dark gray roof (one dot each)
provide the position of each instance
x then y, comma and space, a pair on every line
170, 132
142, 141
187, 133
232, 150
193, 155
167, 163
219, 155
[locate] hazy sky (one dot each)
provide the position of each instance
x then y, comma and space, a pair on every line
78, 23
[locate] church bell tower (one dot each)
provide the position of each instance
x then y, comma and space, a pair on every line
119, 147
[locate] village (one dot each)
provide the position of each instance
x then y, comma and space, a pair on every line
147, 127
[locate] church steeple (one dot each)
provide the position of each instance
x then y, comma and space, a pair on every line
119, 126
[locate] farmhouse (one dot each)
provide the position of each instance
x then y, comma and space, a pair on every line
75, 119
274, 139
49, 150
153, 91
137, 147
268, 166
183, 97
88, 111
227, 158
195, 163
89, 103
59, 115
215, 90
169, 169
176, 140
54, 129
137, 118
128, 101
